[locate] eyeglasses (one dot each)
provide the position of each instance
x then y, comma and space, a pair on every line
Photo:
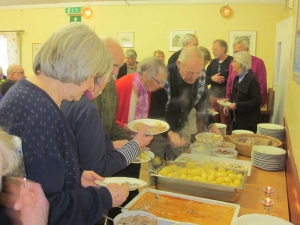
19, 72
233, 61
159, 83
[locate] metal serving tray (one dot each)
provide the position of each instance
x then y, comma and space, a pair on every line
197, 188
184, 157
163, 221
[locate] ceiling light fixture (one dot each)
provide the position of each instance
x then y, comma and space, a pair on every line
87, 12
226, 11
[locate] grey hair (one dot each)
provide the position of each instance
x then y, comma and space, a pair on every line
72, 54
12, 69
151, 66
188, 52
244, 43
222, 43
244, 58
130, 53
9, 158
188, 38
206, 53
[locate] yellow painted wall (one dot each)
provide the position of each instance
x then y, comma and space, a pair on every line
293, 107
152, 23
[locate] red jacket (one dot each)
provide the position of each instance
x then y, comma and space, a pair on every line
124, 89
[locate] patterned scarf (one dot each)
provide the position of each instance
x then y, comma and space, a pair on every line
142, 105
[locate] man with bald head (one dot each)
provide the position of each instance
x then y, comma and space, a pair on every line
188, 40
184, 91
106, 104
14, 74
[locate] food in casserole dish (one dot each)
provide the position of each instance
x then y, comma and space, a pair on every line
184, 210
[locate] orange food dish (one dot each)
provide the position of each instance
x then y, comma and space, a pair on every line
184, 210
151, 128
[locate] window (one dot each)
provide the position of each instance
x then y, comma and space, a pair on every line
3, 54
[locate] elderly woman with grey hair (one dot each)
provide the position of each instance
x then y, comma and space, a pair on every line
134, 94
130, 66
245, 97
65, 67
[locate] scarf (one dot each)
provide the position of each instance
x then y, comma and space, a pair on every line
142, 105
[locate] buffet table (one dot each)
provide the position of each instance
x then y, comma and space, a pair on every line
252, 193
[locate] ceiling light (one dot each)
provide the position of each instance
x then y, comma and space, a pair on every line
87, 12
225, 11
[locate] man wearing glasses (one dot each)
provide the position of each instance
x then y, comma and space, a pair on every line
185, 90
14, 74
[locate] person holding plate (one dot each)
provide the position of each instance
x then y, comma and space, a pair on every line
134, 95
185, 90
245, 97
95, 148
64, 67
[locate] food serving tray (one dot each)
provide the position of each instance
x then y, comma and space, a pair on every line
217, 161
197, 188
164, 221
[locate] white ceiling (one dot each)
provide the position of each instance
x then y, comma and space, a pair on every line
21, 4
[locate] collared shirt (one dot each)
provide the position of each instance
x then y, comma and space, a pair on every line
242, 75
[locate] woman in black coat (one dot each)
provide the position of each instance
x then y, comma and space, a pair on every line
245, 98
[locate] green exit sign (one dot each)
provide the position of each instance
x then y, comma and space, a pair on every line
73, 10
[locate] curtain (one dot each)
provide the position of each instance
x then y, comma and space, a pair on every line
13, 47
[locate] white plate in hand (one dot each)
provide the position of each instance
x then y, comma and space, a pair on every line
134, 183
154, 126
221, 102
148, 157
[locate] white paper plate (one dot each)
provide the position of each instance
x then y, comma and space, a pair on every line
259, 219
221, 102
149, 154
149, 122
136, 183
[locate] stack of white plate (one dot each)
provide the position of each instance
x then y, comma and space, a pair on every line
222, 127
268, 157
271, 129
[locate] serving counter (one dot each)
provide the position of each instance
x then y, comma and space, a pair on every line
252, 193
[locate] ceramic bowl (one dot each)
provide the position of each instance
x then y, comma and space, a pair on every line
127, 214
200, 148
225, 153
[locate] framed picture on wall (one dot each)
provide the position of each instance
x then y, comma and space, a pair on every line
35, 49
296, 60
249, 36
175, 39
126, 39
